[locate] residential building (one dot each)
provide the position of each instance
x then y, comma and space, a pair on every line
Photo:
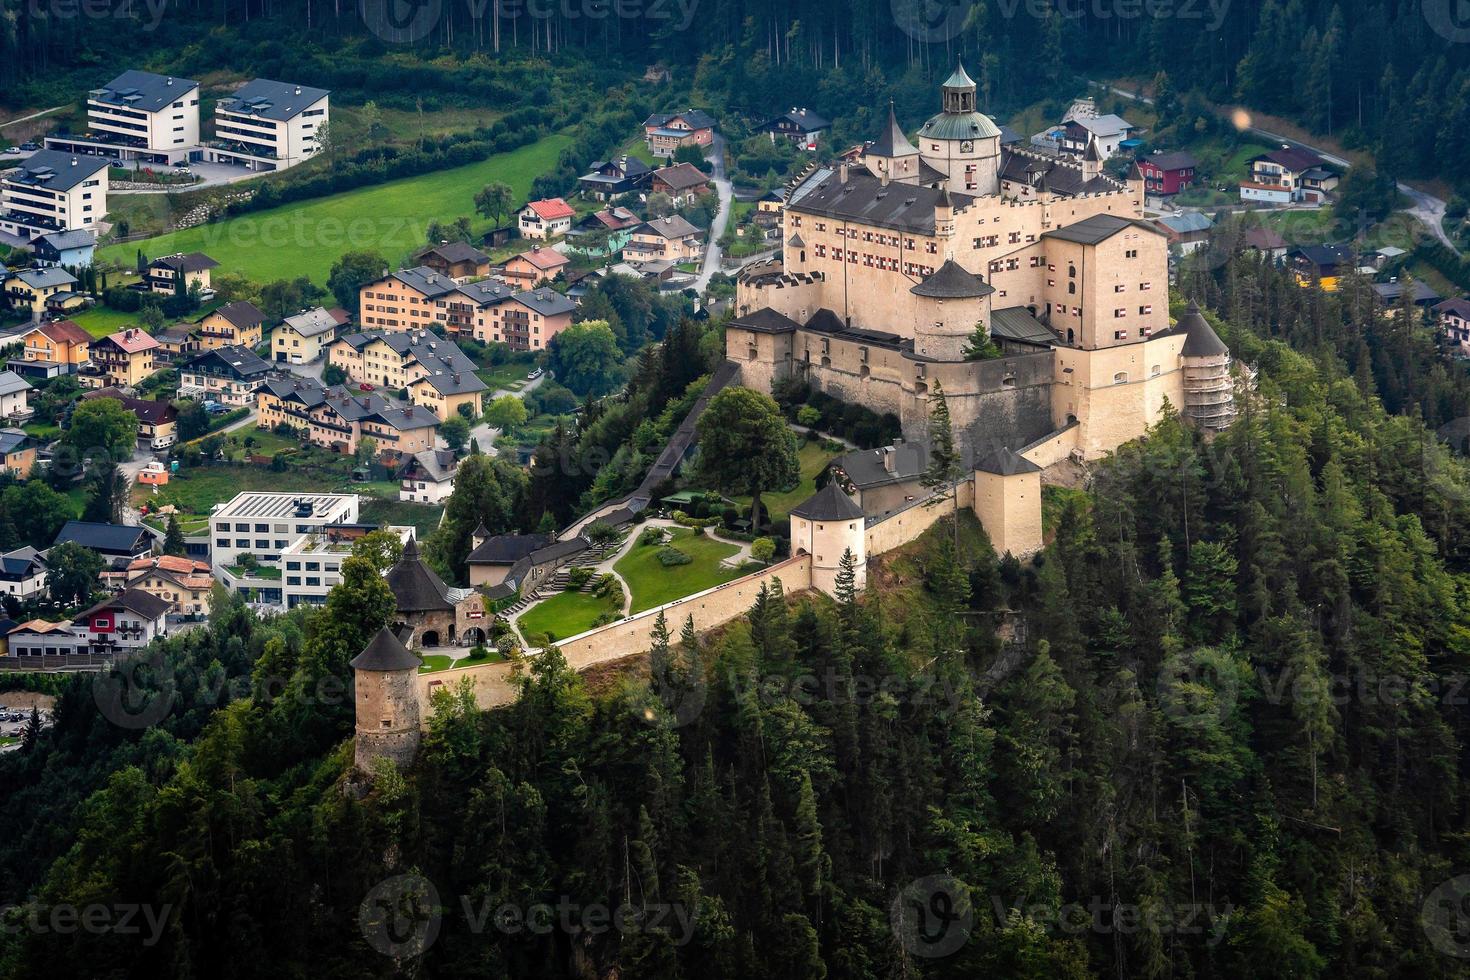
120, 360
801, 126
228, 375
1082, 125
1166, 174
680, 183
1290, 174
184, 583
111, 541
492, 556
139, 116
665, 132
1186, 231
613, 178
269, 125
17, 452
428, 477
52, 348
302, 338
178, 273
157, 420
15, 397
52, 191
437, 374
339, 419
39, 637
403, 300
176, 342
1390, 294
1454, 322
546, 219
23, 573
237, 324
612, 219
672, 239
1320, 265
68, 249
122, 623
457, 260
1266, 241
523, 319
35, 289
535, 267
768, 208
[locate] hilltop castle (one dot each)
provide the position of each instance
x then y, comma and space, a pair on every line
893, 265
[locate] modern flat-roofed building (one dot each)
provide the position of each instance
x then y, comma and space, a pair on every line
51, 192
139, 116
268, 125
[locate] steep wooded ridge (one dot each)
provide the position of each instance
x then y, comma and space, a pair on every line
1227, 738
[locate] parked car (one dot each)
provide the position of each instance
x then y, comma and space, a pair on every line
535, 373
216, 408
364, 386
12, 149
30, 146
183, 172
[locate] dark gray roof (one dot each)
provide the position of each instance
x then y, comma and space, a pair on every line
190, 262
865, 198
143, 90
547, 302
241, 362
10, 383
1324, 256
242, 313
12, 440
385, 653
951, 281
415, 586
1052, 173
61, 241
806, 121
828, 504
310, 323
110, 539
456, 252
1391, 292
673, 226
1005, 463
20, 562
1200, 339
1020, 324
57, 171
1098, 228
892, 142
507, 549
866, 467
52, 275
309, 392
266, 99
145, 604
1177, 160
430, 282
696, 118
434, 464
765, 320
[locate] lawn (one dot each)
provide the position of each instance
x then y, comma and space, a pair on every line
654, 584
813, 458
99, 321
566, 614
511, 374
196, 490
307, 237
434, 662
424, 518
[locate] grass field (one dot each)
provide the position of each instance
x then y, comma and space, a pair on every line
812, 457
441, 661
566, 614
653, 584
424, 518
307, 237
195, 491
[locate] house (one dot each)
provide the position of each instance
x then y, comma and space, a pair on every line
52, 348
15, 397
428, 477
39, 637
51, 192
680, 182
801, 126
267, 526
616, 222
1320, 265
534, 267
523, 319
23, 573
1453, 316
123, 623
610, 178
403, 300
1166, 174
153, 119
228, 375
178, 273
34, 289
672, 239
268, 125
1390, 294
492, 556
302, 338
436, 373
120, 360
111, 541
237, 324
68, 249
1288, 174
339, 419
1109, 131
768, 208
176, 342
666, 132
17, 452
157, 420
1266, 241
184, 583
1186, 231
457, 260
546, 219
883, 480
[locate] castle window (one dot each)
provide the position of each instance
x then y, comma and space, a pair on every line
1145, 310
1071, 289
1120, 312
1121, 378
1071, 272
1131, 253
1144, 286
1119, 288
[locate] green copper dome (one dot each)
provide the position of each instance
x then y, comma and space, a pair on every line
960, 79
960, 126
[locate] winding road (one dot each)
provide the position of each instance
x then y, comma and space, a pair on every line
712, 252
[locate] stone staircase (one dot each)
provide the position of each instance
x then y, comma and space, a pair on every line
514, 609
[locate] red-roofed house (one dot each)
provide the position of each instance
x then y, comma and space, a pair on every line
546, 219
534, 267
58, 347
121, 359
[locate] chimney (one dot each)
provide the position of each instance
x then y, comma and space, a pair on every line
170, 81
298, 90
842, 173
889, 463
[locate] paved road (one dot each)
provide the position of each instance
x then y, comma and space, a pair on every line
210, 174
34, 115
1427, 209
717, 227
482, 432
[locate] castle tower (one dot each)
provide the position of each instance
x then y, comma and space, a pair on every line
1209, 391
1136, 185
962, 142
479, 536
826, 525
1091, 160
1008, 501
947, 307
892, 156
385, 676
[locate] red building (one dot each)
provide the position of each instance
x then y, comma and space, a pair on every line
1167, 173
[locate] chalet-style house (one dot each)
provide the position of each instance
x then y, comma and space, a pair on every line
457, 260
176, 342
546, 219
666, 132
1390, 294
302, 338
111, 541
403, 300
671, 239
17, 452
428, 477
1186, 231
800, 126
1453, 316
338, 419
680, 182
120, 360
228, 375
1320, 265
68, 249
124, 623
1266, 241
611, 178
1166, 174
37, 290
1290, 174
437, 374
23, 573
237, 324
157, 420
184, 584
56, 347
535, 267
15, 397
178, 273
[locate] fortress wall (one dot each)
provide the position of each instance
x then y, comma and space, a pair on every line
906, 525
710, 608
1052, 448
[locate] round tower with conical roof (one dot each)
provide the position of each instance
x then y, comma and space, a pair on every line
385, 676
826, 526
961, 141
948, 306
1209, 390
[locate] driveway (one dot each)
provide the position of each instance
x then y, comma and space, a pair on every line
210, 174
717, 227
485, 434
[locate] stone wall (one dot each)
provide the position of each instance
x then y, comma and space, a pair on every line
1053, 447
906, 525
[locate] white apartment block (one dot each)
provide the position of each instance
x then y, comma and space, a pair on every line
53, 191
139, 116
268, 125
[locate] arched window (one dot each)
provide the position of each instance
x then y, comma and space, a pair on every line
1071, 335
1071, 272
1154, 371
1072, 289
1121, 378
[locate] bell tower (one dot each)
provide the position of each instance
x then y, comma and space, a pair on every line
959, 91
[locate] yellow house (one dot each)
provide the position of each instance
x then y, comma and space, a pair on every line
29, 289
18, 453
237, 324
303, 338
166, 272
444, 393
59, 342
437, 374
183, 583
122, 359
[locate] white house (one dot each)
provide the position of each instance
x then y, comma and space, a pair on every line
268, 125
22, 573
428, 477
128, 621
139, 116
546, 219
15, 395
53, 191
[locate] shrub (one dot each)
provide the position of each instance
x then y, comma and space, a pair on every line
579, 577
669, 556
763, 549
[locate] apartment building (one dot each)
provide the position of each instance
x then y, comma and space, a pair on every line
139, 116
437, 374
53, 191
338, 419
268, 125
120, 360
302, 338
403, 300
523, 319
228, 375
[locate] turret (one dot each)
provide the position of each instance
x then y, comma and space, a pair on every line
826, 526
891, 156
947, 308
479, 536
1209, 390
961, 142
1091, 159
385, 676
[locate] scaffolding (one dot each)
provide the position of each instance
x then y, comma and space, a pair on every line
1209, 391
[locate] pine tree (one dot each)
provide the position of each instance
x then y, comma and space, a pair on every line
944, 470
173, 538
